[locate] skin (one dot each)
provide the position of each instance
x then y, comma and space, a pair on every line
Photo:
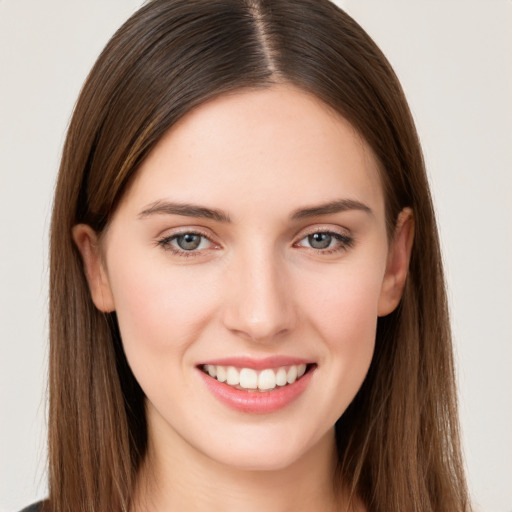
256, 286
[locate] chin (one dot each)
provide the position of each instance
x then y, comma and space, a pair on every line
264, 453
262, 461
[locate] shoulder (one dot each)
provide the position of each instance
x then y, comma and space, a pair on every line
35, 507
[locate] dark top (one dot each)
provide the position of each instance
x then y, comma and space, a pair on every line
36, 507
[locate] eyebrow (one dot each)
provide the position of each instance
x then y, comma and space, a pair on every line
192, 210
331, 207
185, 209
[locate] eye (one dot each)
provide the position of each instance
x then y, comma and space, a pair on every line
189, 241
326, 241
320, 240
186, 244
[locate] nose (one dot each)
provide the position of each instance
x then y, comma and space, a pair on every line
259, 300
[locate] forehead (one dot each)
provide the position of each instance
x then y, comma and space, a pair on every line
278, 148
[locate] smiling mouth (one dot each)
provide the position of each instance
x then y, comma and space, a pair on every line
249, 379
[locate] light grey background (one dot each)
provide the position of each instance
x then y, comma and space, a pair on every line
454, 60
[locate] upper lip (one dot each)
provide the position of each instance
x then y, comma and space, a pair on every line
257, 363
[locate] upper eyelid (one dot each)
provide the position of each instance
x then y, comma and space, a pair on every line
344, 237
175, 232
166, 240
323, 229
172, 233
166, 243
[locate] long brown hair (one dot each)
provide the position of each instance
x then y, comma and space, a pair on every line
398, 441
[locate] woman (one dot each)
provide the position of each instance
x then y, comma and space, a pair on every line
247, 299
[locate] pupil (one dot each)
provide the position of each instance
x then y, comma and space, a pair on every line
320, 240
189, 241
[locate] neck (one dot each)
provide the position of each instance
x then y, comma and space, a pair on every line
175, 476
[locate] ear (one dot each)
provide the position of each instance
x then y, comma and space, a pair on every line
87, 242
397, 263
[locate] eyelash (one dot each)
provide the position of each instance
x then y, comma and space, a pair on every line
166, 243
344, 242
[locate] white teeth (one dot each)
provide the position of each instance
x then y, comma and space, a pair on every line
267, 380
291, 376
247, 378
232, 376
281, 377
221, 374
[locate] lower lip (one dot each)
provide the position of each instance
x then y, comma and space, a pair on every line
257, 402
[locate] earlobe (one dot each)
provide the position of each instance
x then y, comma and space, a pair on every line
397, 264
86, 239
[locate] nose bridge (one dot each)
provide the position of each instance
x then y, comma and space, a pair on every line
259, 305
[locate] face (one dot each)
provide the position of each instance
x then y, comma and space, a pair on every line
247, 264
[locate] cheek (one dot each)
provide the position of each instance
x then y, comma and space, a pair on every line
348, 324
344, 317
160, 309
344, 305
